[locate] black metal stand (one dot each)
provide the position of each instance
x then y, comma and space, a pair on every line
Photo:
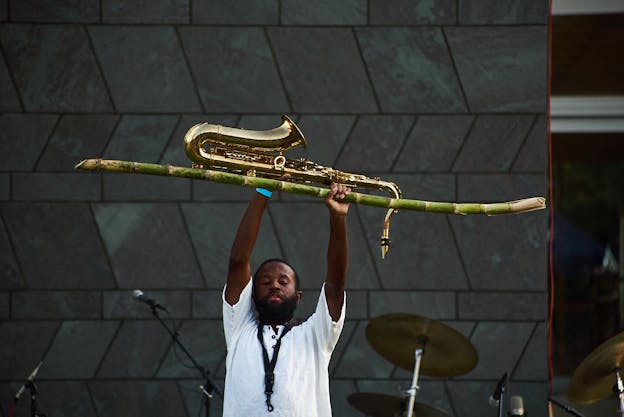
34, 407
210, 386
502, 399
565, 407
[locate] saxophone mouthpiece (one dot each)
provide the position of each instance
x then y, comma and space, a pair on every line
385, 247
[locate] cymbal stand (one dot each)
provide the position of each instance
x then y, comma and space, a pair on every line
414, 387
619, 389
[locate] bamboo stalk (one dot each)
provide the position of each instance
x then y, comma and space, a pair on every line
518, 206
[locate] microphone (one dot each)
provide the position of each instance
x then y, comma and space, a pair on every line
30, 379
494, 399
516, 406
138, 294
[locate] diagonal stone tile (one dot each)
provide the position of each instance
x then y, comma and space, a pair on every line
9, 100
213, 227
75, 138
260, 121
70, 11
421, 78
493, 143
138, 11
359, 360
533, 155
496, 249
339, 390
207, 304
323, 12
488, 57
245, 77
145, 68
33, 337
54, 68
59, 186
418, 239
124, 187
502, 306
22, 139
204, 339
433, 143
148, 245
500, 187
374, 143
77, 349
11, 274
4, 5
303, 230
136, 398
141, 138
407, 12
5, 186
325, 135
499, 345
57, 305
136, 350
533, 365
242, 12
5, 303
482, 12
329, 77
66, 234
436, 305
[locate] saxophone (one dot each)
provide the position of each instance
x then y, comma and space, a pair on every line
260, 153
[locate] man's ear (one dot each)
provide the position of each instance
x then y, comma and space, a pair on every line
299, 295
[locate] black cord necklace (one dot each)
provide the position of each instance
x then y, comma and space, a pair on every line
269, 366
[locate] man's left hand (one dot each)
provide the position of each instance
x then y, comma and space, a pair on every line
336, 193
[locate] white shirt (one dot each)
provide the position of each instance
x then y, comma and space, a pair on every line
301, 387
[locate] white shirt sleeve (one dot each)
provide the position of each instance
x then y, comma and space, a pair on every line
327, 330
236, 316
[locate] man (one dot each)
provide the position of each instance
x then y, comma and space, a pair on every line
273, 366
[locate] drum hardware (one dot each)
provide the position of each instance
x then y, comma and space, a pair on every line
383, 405
402, 338
600, 374
564, 407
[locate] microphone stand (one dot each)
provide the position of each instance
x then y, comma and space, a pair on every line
502, 398
210, 386
34, 408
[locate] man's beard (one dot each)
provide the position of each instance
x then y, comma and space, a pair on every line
276, 313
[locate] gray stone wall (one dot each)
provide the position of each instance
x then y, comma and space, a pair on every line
446, 98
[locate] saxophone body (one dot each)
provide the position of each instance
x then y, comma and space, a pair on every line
260, 153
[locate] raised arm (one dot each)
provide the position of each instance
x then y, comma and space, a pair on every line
337, 250
239, 270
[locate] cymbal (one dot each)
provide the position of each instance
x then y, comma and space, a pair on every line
446, 351
382, 405
594, 379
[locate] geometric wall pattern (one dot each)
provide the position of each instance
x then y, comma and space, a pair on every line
445, 98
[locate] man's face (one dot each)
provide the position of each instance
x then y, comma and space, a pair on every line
275, 292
